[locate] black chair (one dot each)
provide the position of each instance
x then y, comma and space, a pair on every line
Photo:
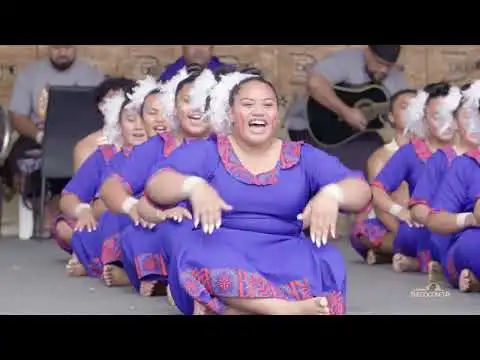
71, 115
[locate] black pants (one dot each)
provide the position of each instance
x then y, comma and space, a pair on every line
33, 182
353, 155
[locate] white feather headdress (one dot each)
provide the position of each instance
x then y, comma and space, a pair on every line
415, 113
446, 108
200, 90
141, 90
471, 98
167, 96
219, 97
111, 111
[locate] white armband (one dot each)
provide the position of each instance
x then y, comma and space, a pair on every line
81, 207
462, 219
128, 204
335, 192
395, 209
190, 183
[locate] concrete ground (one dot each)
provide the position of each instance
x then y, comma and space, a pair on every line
34, 282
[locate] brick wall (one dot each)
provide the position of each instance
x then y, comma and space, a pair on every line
285, 65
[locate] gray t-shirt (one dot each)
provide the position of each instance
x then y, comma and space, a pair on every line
345, 66
30, 91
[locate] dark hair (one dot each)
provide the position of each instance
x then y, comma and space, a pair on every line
227, 69
395, 97
436, 90
194, 71
142, 107
112, 83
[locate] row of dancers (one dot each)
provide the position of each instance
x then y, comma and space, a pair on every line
424, 215
187, 192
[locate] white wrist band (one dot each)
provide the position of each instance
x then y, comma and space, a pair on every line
190, 183
462, 219
395, 209
81, 207
335, 192
128, 204
39, 137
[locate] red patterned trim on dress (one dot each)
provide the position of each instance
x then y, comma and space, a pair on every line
111, 250
424, 257
205, 286
449, 152
414, 202
96, 267
289, 157
170, 143
452, 272
150, 264
372, 232
474, 155
127, 150
421, 149
108, 151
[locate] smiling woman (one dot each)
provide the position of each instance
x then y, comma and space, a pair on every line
239, 186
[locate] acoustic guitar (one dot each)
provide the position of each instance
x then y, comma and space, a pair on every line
329, 130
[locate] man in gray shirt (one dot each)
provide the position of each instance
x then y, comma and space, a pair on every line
351, 66
29, 102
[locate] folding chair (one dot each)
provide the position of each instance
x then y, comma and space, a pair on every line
71, 115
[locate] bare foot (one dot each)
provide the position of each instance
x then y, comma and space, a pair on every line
468, 282
314, 306
371, 257
402, 263
75, 268
170, 300
199, 309
115, 276
152, 288
374, 257
435, 273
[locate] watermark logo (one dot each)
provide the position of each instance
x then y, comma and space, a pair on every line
432, 290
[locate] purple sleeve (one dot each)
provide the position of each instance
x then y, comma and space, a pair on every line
395, 170
323, 169
172, 69
430, 180
114, 166
88, 178
451, 195
136, 168
197, 158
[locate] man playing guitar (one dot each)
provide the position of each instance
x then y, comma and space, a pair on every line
375, 64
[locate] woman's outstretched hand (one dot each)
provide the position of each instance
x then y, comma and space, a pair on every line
207, 207
320, 214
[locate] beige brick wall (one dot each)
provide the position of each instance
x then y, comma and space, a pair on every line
286, 65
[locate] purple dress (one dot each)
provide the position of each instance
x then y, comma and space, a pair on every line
458, 193
407, 164
428, 185
260, 251
87, 246
134, 174
85, 184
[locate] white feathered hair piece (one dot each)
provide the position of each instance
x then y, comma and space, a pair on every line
200, 90
111, 111
167, 96
471, 98
446, 108
415, 113
140, 91
219, 97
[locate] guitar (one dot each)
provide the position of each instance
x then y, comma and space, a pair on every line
329, 130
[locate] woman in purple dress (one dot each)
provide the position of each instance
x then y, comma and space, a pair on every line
124, 188
453, 243
374, 229
429, 117
124, 129
83, 185
436, 168
245, 251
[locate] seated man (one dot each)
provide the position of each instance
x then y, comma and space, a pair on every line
28, 110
